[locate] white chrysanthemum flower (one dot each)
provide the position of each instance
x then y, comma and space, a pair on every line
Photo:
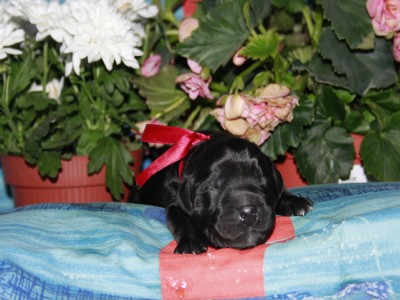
4, 15
135, 9
100, 33
18, 8
53, 88
9, 36
49, 17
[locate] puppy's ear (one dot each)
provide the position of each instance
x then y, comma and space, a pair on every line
184, 196
274, 179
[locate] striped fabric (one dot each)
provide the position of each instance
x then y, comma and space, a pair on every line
347, 248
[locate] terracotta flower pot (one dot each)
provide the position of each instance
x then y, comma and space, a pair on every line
72, 185
290, 174
292, 177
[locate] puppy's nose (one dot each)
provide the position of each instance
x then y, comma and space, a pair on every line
248, 215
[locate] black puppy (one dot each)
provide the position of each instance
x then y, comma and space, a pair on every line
228, 196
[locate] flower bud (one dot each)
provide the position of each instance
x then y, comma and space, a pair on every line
239, 59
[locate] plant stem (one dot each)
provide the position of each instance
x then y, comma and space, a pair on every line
5, 95
45, 66
171, 32
250, 69
145, 45
307, 18
219, 87
171, 108
192, 116
5, 105
169, 16
86, 90
314, 29
262, 29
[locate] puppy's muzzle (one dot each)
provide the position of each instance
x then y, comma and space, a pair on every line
248, 215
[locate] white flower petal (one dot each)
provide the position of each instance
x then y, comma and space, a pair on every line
148, 12
68, 68
76, 62
8, 37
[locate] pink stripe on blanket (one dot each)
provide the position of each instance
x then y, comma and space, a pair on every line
222, 273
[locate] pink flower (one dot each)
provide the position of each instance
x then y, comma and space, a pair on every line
396, 47
194, 66
194, 85
254, 118
186, 27
385, 15
239, 59
151, 66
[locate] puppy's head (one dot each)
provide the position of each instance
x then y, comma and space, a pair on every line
233, 193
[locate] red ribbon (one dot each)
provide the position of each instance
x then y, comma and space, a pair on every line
183, 141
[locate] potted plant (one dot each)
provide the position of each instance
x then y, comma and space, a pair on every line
296, 77
66, 87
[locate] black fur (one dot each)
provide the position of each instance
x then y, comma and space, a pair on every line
229, 195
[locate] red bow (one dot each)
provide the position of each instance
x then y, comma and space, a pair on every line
183, 141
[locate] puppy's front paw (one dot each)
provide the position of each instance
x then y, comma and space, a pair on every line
291, 205
191, 245
300, 207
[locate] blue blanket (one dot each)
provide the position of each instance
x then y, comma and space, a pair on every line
347, 248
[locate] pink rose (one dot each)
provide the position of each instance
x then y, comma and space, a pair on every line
254, 118
385, 15
151, 66
396, 47
194, 85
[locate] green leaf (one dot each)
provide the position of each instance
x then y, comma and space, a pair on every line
329, 106
238, 84
160, 90
322, 71
39, 101
162, 94
262, 46
88, 140
260, 10
325, 154
206, 5
356, 122
111, 153
388, 100
49, 164
59, 140
289, 134
220, 34
351, 22
363, 69
120, 79
22, 75
382, 104
293, 6
380, 151
303, 54
117, 98
262, 78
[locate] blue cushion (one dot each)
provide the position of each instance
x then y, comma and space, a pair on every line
348, 248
